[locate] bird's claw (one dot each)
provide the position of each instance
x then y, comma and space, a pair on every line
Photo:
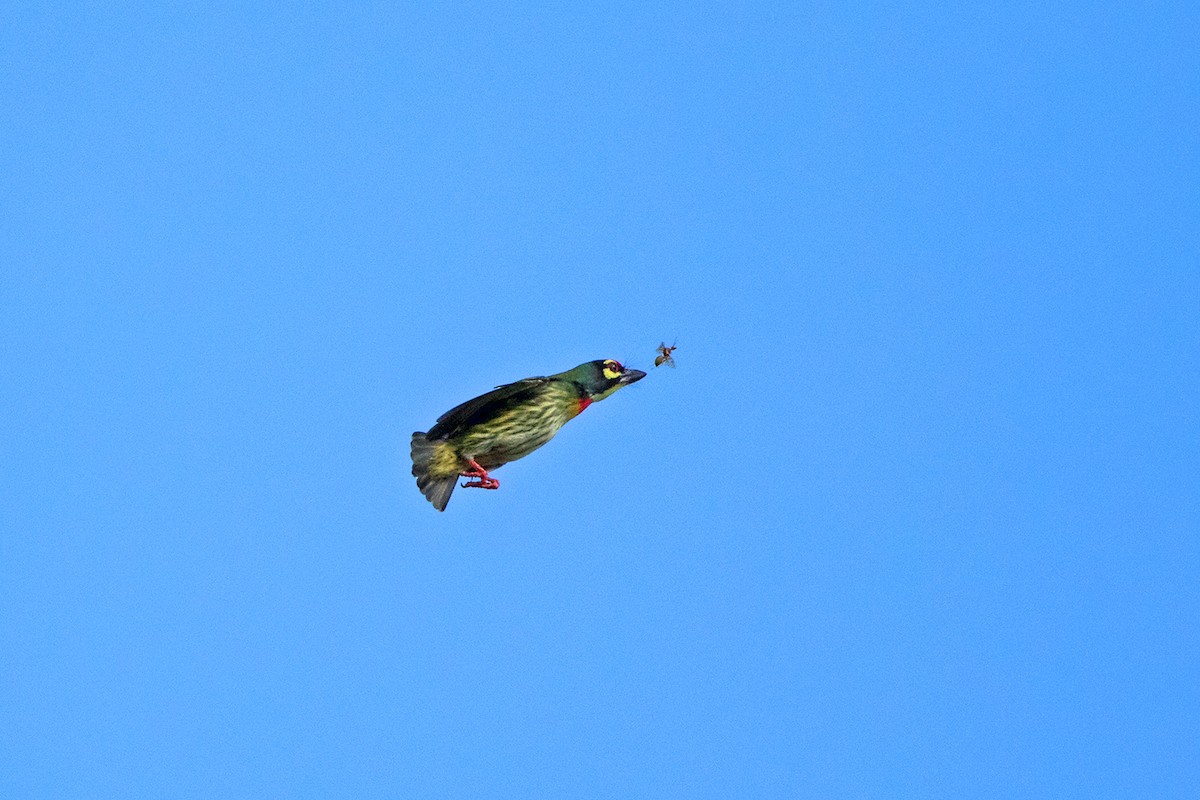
475, 471
484, 482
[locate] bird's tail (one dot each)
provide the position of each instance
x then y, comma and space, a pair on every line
436, 488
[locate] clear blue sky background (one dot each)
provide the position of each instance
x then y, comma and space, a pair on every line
916, 516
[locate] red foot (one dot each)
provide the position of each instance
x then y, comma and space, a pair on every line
485, 481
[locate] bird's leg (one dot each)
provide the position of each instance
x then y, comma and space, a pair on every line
475, 471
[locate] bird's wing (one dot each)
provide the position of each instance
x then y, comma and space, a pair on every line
484, 407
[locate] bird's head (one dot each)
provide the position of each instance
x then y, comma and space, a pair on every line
599, 379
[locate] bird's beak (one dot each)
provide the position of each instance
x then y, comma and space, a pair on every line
630, 376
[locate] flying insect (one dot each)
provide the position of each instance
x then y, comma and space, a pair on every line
664, 355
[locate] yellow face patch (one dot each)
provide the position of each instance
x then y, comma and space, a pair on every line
612, 370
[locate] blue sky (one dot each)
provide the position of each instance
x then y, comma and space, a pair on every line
916, 516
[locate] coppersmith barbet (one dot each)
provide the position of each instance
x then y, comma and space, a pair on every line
505, 424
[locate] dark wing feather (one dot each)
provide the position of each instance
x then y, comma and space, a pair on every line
484, 407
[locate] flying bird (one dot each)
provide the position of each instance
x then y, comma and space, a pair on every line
507, 423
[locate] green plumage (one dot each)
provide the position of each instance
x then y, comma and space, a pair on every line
507, 423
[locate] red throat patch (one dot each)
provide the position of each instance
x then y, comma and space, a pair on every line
584, 402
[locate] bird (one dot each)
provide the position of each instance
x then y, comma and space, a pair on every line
507, 423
